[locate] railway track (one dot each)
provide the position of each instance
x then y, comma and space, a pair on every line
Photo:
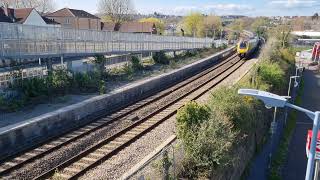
80, 163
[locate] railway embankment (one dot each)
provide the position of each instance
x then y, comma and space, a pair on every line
245, 120
16, 137
220, 137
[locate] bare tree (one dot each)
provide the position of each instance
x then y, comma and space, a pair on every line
42, 6
117, 11
8, 3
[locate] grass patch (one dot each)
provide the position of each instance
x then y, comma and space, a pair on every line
281, 155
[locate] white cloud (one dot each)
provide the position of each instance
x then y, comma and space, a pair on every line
185, 9
229, 7
295, 3
214, 8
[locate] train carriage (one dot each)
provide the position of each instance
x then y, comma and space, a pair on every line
245, 48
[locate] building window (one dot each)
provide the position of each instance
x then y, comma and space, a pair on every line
67, 21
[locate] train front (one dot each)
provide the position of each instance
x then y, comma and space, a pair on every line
242, 49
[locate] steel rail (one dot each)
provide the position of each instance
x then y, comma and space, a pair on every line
107, 141
110, 119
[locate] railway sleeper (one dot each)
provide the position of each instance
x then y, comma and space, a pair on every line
64, 176
96, 154
72, 170
88, 159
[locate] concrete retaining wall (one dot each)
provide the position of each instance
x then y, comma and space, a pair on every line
31, 132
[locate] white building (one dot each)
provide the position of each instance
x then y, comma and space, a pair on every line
27, 16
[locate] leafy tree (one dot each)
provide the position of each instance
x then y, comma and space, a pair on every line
282, 34
260, 26
159, 23
213, 25
237, 25
193, 24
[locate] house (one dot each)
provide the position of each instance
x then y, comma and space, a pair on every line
26, 16
77, 19
132, 27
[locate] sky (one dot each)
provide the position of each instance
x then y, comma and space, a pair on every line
219, 7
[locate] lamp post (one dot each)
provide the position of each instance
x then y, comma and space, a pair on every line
273, 100
289, 92
296, 84
299, 68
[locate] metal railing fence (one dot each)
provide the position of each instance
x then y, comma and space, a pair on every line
25, 41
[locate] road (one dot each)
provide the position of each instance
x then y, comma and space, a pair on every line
295, 167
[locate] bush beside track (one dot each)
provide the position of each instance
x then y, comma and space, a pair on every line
229, 128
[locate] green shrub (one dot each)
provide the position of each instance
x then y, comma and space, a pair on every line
102, 87
190, 53
207, 137
127, 69
60, 80
242, 111
160, 57
272, 74
190, 117
34, 87
136, 64
86, 82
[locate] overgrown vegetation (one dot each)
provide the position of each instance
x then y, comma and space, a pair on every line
280, 156
59, 82
209, 133
161, 58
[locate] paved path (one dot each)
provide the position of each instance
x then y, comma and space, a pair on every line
260, 165
296, 163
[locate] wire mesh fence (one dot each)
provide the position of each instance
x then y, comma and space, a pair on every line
165, 164
23, 41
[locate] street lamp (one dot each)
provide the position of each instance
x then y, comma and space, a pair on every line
299, 68
296, 84
273, 100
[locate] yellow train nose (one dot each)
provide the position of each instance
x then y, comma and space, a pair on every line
241, 51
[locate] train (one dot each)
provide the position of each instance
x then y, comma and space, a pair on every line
316, 52
245, 48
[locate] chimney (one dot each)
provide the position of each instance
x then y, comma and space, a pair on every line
5, 10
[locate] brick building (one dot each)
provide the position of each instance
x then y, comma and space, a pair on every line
132, 27
26, 16
77, 19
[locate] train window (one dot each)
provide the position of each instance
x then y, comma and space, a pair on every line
243, 45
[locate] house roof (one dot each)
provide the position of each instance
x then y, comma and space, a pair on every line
21, 14
15, 15
83, 14
3, 17
66, 12
49, 21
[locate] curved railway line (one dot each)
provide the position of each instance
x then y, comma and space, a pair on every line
78, 164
